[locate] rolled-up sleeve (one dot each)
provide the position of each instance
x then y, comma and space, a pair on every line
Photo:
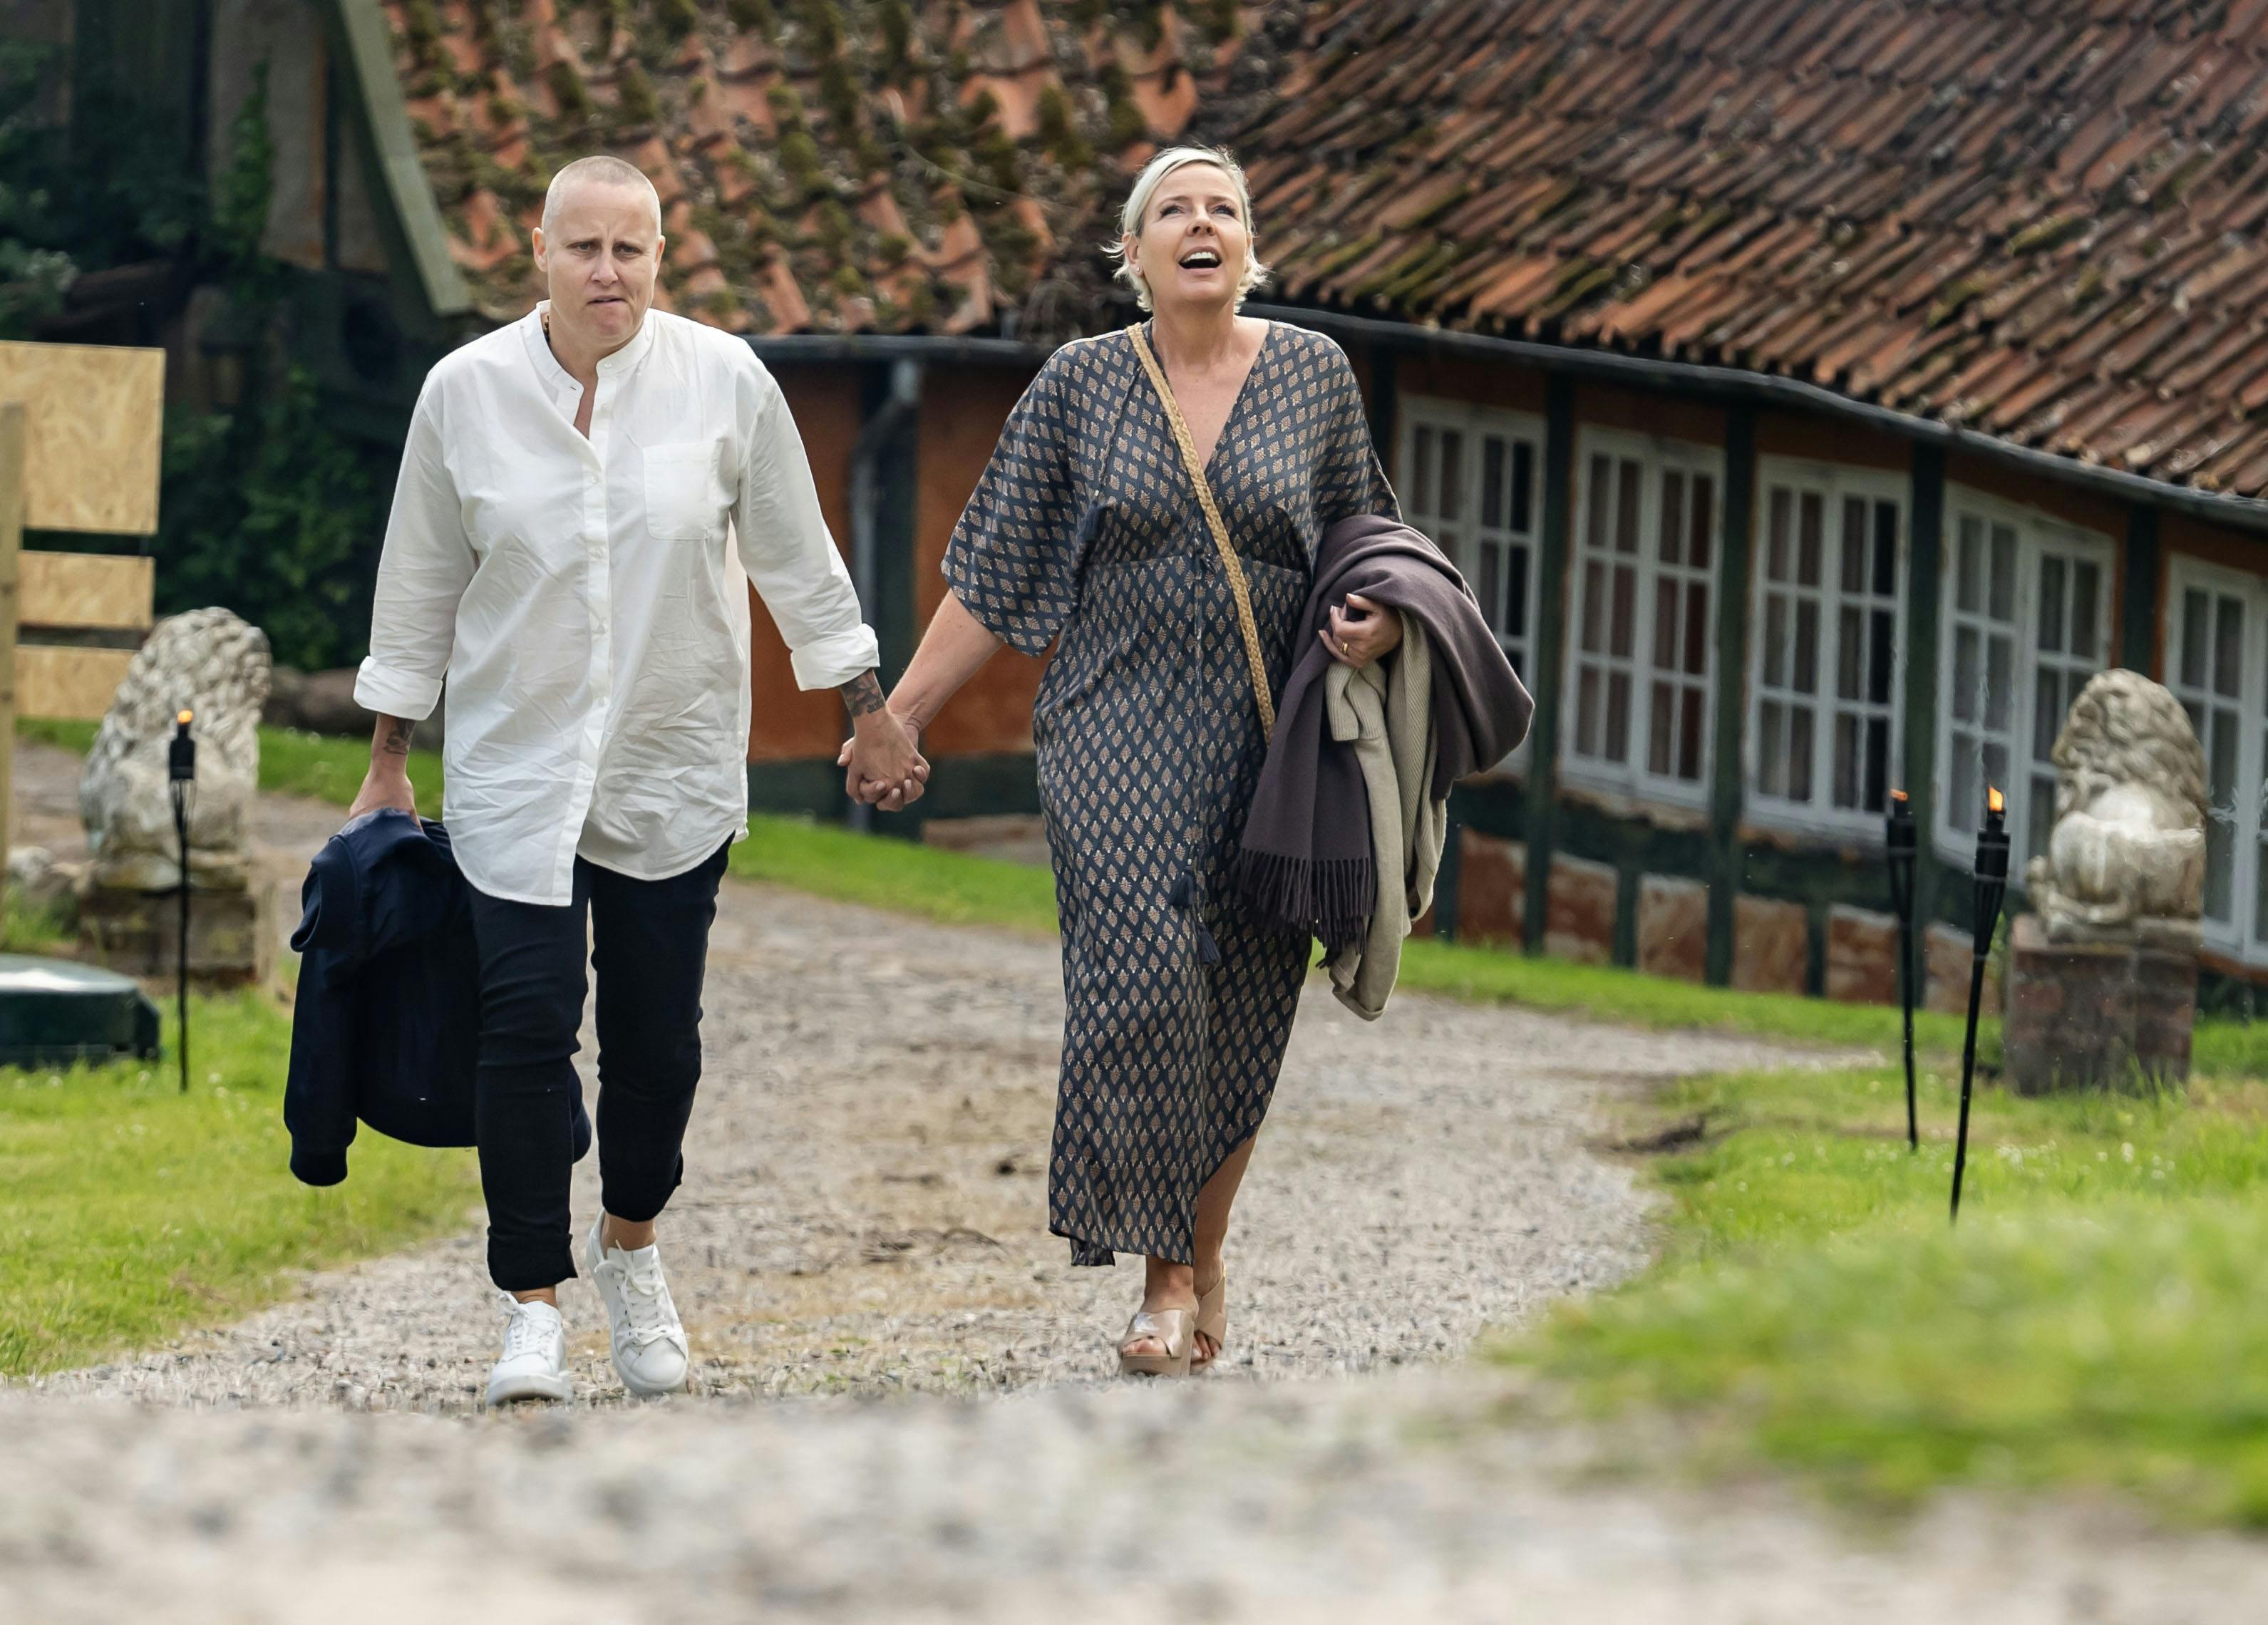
422, 575
788, 552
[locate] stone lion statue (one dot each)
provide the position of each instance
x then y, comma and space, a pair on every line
209, 662
2126, 857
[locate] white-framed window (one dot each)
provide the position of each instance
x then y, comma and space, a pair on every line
2217, 665
2027, 621
1642, 657
1825, 670
1471, 477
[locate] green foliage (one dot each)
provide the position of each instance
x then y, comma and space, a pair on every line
130, 1211
113, 193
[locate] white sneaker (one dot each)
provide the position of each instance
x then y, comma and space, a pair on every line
534, 1364
649, 1340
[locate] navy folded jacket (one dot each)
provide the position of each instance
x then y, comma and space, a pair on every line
387, 1030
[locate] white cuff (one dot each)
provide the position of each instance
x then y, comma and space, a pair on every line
834, 661
383, 691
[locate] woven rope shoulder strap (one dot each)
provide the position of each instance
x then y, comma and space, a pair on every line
1229, 562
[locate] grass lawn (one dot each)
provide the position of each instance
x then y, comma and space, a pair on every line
130, 1210
2099, 1317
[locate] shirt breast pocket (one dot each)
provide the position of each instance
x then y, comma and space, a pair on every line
684, 498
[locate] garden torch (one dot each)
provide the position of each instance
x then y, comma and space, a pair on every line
1899, 838
1991, 884
181, 781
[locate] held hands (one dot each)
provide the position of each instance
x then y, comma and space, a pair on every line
1361, 631
883, 766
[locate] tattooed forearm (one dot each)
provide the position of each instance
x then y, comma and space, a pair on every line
394, 736
862, 694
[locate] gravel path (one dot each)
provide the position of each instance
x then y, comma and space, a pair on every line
864, 1221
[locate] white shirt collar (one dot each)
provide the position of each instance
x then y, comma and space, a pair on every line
555, 378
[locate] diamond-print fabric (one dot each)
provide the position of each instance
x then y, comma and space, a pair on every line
1085, 529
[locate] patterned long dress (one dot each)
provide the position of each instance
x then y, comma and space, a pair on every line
1086, 528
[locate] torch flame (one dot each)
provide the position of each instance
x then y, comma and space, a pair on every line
1898, 796
1994, 802
185, 718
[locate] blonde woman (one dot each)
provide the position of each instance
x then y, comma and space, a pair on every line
1086, 532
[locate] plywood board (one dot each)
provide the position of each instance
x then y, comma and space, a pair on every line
86, 592
96, 415
77, 685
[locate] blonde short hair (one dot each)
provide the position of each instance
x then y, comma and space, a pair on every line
1138, 205
599, 169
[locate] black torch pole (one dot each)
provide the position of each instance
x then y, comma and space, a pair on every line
1899, 837
180, 781
1991, 883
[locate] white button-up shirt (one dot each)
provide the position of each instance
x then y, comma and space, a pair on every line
584, 598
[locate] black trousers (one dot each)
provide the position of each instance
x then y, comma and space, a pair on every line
648, 941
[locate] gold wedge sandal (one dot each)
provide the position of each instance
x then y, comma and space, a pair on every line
1212, 1321
1175, 1330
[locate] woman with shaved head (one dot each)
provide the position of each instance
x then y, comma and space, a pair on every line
584, 498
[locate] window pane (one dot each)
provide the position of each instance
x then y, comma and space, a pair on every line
1452, 475
1882, 660
2197, 642
2219, 871
1697, 627
1586, 711
1515, 613
1594, 607
1673, 516
1776, 640
2220, 760
1447, 540
1845, 778
2086, 608
1492, 584
1854, 545
1660, 732
1878, 764
1886, 549
1771, 749
1689, 736
1810, 523
1421, 477
1619, 715
1601, 497
1523, 483
1776, 529
1492, 481
2000, 599
2051, 616
2000, 682
1850, 651
1799, 755
1965, 795
2228, 648
1806, 646
1969, 574
1622, 620
1627, 489
2047, 716
1703, 521
1967, 676
1664, 653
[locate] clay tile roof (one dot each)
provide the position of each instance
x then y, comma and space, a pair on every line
829, 165
2048, 220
